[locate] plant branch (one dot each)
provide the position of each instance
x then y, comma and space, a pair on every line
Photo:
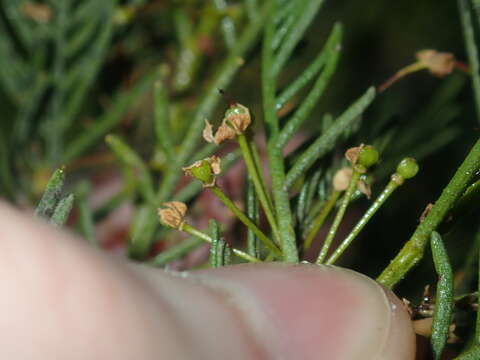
413, 250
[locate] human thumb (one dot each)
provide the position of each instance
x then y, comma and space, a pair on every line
61, 299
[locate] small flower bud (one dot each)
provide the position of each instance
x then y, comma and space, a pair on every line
205, 170
238, 117
173, 214
438, 63
367, 156
407, 168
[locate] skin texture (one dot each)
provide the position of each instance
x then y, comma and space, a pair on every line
61, 299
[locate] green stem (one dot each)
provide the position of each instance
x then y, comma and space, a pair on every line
320, 219
210, 99
472, 50
169, 255
283, 211
389, 189
253, 246
338, 218
413, 250
477, 323
244, 219
258, 182
201, 235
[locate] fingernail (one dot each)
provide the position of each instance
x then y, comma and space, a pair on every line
316, 312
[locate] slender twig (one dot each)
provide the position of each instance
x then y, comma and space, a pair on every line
320, 219
339, 216
413, 250
201, 235
253, 247
244, 219
257, 178
379, 201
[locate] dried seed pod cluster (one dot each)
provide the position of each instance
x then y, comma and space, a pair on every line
236, 121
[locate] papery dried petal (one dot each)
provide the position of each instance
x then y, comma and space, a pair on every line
364, 188
342, 177
208, 132
223, 133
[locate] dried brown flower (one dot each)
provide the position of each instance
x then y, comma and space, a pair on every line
236, 121
172, 214
438, 63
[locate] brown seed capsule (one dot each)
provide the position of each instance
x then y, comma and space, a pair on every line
236, 121
172, 214
438, 63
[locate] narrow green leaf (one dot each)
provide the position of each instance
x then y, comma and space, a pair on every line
472, 50
227, 24
220, 252
121, 103
85, 217
327, 140
141, 230
253, 243
163, 132
442, 315
307, 10
62, 210
51, 195
252, 9
133, 162
177, 251
327, 53
305, 109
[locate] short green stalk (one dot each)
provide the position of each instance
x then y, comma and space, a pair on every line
389, 189
283, 210
255, 174
406, 169
321, 217
244, 219
201, 235
339, 216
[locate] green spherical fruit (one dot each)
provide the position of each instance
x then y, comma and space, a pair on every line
203, 172
407, 168
367, 156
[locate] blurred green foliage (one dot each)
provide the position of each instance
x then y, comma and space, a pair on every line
143, 76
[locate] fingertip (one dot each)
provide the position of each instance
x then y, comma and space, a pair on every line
317, 312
